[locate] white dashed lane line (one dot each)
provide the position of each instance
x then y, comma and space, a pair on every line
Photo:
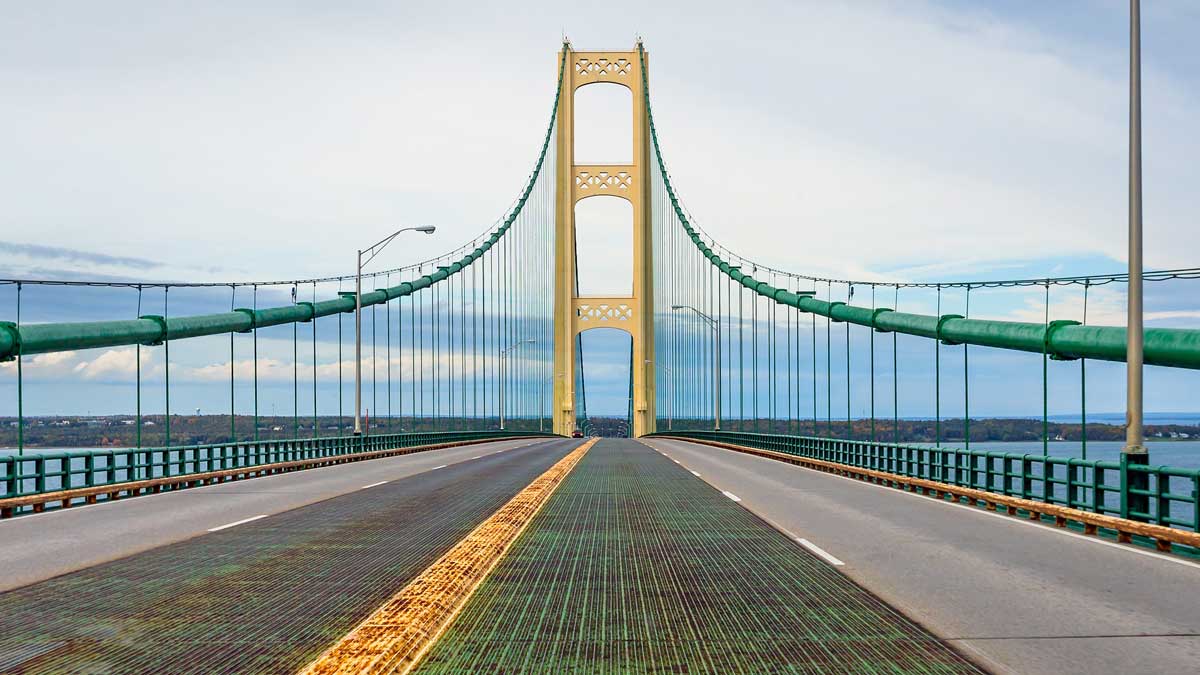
235, 523
820, 552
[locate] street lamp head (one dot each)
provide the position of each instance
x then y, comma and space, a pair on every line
678, 307
427, 229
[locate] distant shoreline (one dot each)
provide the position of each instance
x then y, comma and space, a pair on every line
120, 431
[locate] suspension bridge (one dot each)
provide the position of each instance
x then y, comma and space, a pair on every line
432, 499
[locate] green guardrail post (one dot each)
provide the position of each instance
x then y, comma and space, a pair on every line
1135, 485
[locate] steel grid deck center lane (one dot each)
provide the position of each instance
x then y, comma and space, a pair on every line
263, 597
636, 566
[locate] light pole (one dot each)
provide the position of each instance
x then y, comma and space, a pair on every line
670, 393
1135, 503
372, 251
1134, 438
503, 359
716, 326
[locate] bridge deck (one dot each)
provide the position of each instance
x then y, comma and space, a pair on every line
263, 597
635, 565
1020, 596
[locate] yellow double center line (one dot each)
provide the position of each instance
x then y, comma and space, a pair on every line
398, 634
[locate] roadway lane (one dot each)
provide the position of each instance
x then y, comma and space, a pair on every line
39, 546
1022, 597
635, 566
266, 596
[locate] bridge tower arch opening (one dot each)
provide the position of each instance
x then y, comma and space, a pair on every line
575, 182
605, 377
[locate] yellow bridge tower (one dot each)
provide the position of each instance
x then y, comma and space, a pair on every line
573, 314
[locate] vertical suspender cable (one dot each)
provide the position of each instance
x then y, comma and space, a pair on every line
21, 388
254, 336
895, 375
295, 375
937, 375
789, 318
849, 426
167, 368
314, 358
1083, 384
872, 338
1046, 381
814, 368
232, 411
138, 374
967, 380
742, 362
754, 352
829, 364
475, 339
387, 320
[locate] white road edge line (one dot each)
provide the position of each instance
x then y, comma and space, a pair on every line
732, 496
439, 466
694, 473
235, 523
820, 552
1005, 518
372, 485
477, 456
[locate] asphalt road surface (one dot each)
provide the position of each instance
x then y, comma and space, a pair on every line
39, 546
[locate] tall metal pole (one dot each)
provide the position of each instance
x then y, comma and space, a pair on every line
1134, 437
1135, 481
716, 328
374, 250
358, 347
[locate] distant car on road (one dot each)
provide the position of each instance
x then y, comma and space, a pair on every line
577, 434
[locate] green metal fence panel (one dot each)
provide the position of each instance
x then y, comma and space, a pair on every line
27, 475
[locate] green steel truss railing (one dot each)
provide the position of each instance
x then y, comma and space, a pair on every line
1104, 487
53, 471
1174, 347
153, 330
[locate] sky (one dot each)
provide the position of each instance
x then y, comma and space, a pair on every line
918, 141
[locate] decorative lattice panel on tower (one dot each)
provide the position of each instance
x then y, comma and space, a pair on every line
591, 312
597, 182
603, 67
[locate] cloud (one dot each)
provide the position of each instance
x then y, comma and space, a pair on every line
59, 254
921, 138
119, 365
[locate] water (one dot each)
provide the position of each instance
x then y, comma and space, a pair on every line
1183, 454
5, 452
